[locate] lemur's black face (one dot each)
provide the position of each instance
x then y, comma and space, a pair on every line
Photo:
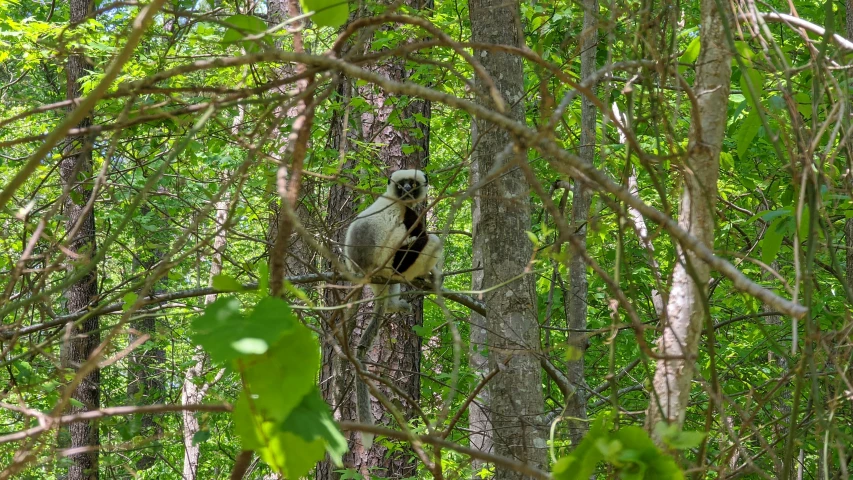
409, 189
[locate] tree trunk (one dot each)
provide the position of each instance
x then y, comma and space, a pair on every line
397, 349
76, 173
396, 353
849, 224
685, 310
145, 378
336, 376
193, 393
515, 393
478, 360
578, 285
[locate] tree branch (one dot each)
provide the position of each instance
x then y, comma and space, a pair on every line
425, 287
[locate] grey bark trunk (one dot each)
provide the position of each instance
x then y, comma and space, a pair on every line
478, 417
579, 287
76, 173
515, 399
685, 310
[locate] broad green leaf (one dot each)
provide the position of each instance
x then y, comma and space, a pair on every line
803, 231
747, 133
276, 381
686, 439
744, 51
327, 13
244, 25
770, 215
422, 331
580, 464
128, 299
224, 283
772, 241
756, 79
804, 104
727, 161
692, 52
263, 279
222, 326
312, 420
201, 436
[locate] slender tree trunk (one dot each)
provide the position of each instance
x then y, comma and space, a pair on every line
193, 391
478, 417
516, 402
685, 310
850, 19
849, 224
579, 287
336, 376
76, 172
145, 378
637, 218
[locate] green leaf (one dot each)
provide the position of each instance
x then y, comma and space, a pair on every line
312, 420
243, 26
692, 52
745, 53
327, 13
277, 380
804, 104
201, 436
263, 279
129, 299
224, 283
772, 241
281, 414
582, 461
685, 440
747, 133
222, 327
803, 231
756, 79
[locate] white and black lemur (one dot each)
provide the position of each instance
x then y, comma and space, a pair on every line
388, 240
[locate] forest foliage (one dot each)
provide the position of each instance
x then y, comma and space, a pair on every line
222, 137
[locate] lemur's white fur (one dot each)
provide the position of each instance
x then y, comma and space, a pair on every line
388, 240
377, 233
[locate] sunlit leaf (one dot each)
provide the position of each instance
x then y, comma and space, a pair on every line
327, 13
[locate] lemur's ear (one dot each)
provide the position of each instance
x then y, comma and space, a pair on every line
426, 178
389, 180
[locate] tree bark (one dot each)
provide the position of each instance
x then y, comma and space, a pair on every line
515, 393
193, 391
848, 226
478, 417
685, 310
336, 376
579, 286
76, 174
145, 378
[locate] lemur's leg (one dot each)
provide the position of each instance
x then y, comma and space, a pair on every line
393, 302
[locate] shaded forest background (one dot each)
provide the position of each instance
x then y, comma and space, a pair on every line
645, 209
